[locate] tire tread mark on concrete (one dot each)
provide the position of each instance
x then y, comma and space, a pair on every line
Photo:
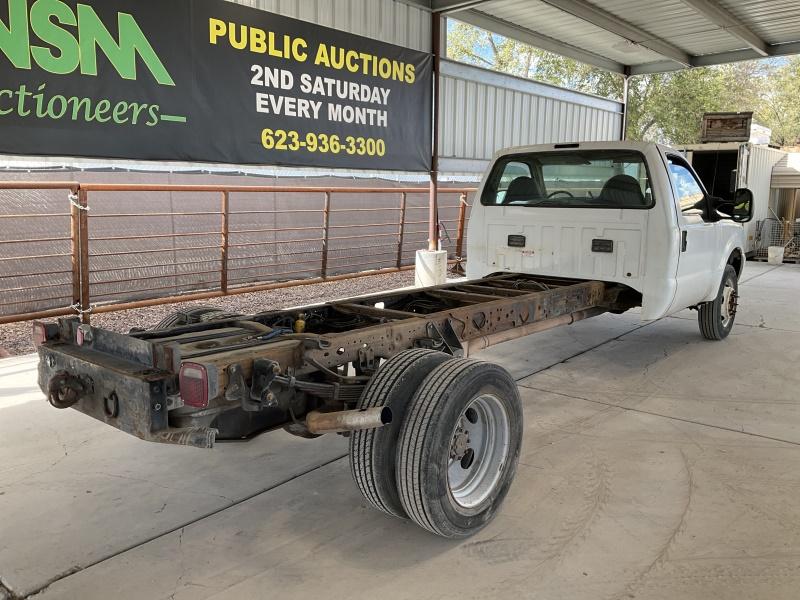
501, 549
757, 505
663, 552
697, 578
595, 497
596, 493
568, 430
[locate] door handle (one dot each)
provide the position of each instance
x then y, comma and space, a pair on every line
684, 240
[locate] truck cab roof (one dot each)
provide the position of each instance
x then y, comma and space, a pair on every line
567, 146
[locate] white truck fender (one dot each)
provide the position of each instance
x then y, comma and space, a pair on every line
732, 246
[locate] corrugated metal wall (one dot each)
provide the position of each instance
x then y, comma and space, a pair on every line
386, 20
758, 177
786, 172
483, 111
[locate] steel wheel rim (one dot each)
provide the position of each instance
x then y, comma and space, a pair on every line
478, 450
728, 305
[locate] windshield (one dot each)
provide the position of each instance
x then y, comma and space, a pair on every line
580, 178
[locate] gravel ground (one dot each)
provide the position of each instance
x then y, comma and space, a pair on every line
15, 338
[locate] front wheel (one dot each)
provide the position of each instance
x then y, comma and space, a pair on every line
459, 447
716, 317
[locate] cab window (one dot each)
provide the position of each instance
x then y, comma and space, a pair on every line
689, 192
590, 178
511, 171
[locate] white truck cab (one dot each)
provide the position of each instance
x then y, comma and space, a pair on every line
627, 212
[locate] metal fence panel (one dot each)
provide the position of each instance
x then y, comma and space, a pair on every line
137, 241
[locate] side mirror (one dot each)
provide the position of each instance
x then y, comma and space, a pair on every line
741, 209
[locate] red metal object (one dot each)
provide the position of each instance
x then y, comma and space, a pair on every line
224, 247
433, 208
84, 305
326, 231
462, 216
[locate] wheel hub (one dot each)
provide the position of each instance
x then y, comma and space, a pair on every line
478, 450
460, 444
728, 305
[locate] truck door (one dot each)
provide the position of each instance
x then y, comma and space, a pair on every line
698, 235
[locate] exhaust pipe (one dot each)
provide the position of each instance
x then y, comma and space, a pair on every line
348, 420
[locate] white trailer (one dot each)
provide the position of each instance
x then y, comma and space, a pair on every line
727, 166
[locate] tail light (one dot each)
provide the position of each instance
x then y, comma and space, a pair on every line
43, 332
83, 335
195, 384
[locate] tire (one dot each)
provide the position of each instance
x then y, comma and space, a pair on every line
373, 451
196, 314
450, 496
716, 317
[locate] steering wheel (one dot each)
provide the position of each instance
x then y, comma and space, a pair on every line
550, 195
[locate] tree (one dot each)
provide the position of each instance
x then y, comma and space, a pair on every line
663, 107
780, 109
668, 107
472, 45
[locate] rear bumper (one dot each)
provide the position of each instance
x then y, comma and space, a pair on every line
123, 394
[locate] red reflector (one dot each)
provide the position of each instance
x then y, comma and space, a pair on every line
39, 333
193, 381
83, 335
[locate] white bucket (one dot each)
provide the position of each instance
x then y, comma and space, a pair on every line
431, 268
775, 255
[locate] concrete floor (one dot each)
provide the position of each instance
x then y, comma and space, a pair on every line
655, 465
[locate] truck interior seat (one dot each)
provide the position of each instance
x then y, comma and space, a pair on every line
622, 190
522, 189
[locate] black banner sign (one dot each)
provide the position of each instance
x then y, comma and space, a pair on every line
206, 80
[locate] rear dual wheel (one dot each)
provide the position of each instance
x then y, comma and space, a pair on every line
456, 446
193, 314
373, 451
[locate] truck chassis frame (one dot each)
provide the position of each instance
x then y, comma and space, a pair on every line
275, 368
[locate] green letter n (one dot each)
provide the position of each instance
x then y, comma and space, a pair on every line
14, 40
123, 55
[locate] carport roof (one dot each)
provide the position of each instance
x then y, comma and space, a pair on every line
639, 36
